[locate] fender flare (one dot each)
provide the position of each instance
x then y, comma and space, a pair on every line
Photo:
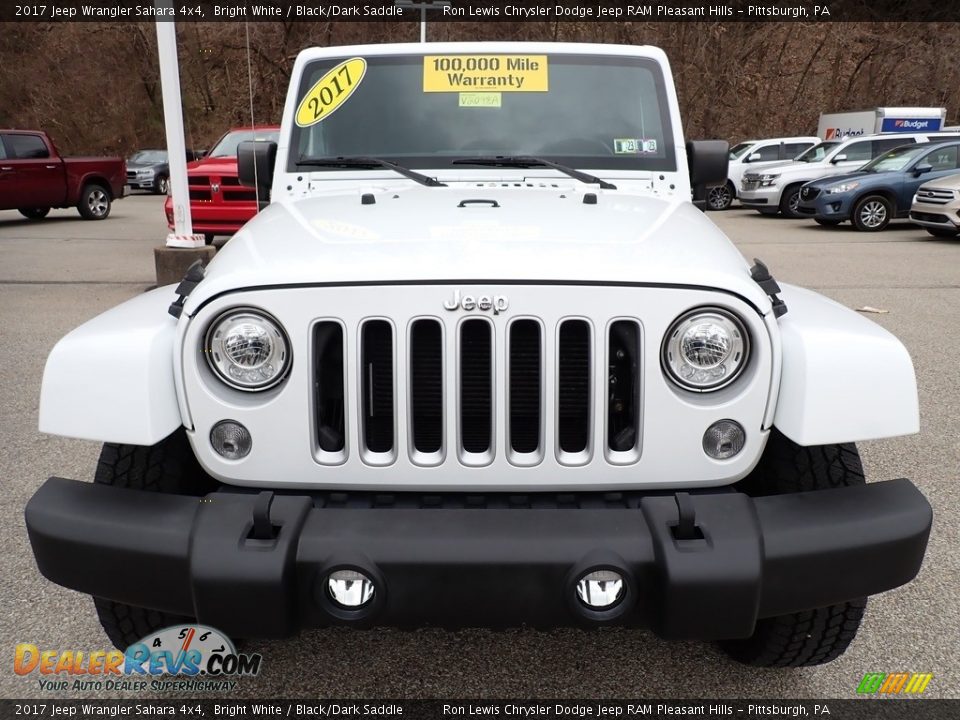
112, 378
844, 378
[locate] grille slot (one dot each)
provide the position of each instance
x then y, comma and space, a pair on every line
476, 386
328, 386
376, 407
526, 370
426, 385
573, 386
623, 386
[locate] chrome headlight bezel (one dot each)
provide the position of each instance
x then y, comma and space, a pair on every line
738, 354
220, 363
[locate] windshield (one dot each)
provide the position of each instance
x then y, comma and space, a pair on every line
149, 157
816, 153
738, 150
896, 159
427, 111
227, 145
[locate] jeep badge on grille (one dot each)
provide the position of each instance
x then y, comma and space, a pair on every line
496, 303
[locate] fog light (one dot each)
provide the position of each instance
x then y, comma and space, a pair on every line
350, 588
600, 589
231, 440
723, 439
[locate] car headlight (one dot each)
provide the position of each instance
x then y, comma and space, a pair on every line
842, 188
767, 180
247, 349
705, 349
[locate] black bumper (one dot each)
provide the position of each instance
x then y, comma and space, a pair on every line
446, 567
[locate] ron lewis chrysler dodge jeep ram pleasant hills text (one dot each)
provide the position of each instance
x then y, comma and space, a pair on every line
480, 361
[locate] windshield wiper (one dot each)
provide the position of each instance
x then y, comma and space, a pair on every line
524, 161
369, 163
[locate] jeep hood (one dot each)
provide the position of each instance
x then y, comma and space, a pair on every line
478, 232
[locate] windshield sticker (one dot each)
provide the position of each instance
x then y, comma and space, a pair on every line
485, 73
633, 146
481, 99
330, 92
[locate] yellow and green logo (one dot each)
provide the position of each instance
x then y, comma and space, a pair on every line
894, 683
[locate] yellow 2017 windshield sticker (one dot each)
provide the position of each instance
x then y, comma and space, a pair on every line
330, 92
485, 73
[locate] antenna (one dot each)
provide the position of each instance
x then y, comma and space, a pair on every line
424, 5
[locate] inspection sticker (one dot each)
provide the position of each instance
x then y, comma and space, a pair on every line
633, 146
481, 99
485, 73
330, 92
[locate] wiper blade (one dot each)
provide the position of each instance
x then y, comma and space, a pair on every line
524, 161
369, 163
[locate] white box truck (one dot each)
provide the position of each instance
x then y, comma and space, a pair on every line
836, 126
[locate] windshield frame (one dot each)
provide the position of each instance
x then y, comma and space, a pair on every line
913, 153
439, 162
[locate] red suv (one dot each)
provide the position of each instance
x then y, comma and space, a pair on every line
219, 205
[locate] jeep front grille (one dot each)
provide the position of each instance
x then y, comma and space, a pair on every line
401, 377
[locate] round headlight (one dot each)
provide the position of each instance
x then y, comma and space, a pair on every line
705, 349
247, 349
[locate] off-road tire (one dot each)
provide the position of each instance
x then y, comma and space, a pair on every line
34, 213
95, 202
788, 202
936, 232
167, 467
810, 637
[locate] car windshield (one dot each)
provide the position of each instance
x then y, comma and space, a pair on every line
227, 145
816, 153
149, 157
896, 159
738, 150
583, 111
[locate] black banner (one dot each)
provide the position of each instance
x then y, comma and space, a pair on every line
913, 709
478, 10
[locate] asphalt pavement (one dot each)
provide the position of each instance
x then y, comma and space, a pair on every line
60, 272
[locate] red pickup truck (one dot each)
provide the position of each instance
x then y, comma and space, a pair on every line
34, 178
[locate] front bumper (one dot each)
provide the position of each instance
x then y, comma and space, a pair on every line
826, 206
451, 564
761, 197
943, 216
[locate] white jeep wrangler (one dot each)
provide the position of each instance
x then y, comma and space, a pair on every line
481, 362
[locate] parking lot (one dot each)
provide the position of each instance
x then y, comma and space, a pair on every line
60, 272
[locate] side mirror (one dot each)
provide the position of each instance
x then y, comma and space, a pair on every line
753, 157
255, 163
707, 160
922, 168
839, 158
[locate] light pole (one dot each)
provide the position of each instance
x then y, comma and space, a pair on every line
424, 5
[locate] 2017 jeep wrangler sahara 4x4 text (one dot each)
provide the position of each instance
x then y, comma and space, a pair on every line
481, 362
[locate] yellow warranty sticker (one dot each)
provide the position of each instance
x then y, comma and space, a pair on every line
481, 99
330, 92
485, 73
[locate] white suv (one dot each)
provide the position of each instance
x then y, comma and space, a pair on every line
753, 154
777, 188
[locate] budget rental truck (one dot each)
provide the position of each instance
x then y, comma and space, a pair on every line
482, 362
840, 125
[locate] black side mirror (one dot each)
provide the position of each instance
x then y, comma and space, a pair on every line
922, 168
255, 163
708, 160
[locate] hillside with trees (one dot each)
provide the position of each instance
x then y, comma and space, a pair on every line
96, 88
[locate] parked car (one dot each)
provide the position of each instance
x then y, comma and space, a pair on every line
150, 170
936, 206
401, 397
776, 189
34, 178
219, 204
753, 154
881, 190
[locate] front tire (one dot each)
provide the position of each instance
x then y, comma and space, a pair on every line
789, 202
34, 213
167, 467
809, 637
720, 197
872, 213
94, 203
161, 184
